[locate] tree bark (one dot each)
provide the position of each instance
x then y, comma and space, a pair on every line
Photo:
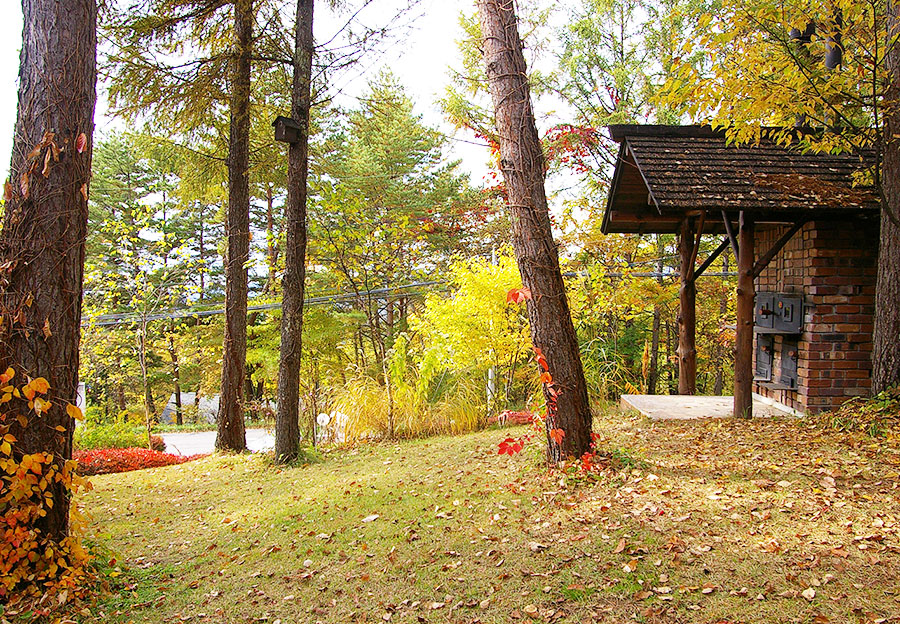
287, 419
230, 433
886, 347
522, 163
687, 313
42, 243
746, 294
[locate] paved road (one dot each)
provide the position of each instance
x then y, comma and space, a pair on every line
205, 441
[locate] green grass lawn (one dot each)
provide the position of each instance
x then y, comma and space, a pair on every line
717, 521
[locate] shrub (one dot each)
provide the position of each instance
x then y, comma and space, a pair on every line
365, 402
109, 435
157, 443
105, 461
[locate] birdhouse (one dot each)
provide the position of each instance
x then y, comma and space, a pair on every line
286, 130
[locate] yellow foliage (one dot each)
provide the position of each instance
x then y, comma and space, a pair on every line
752, 73
31, 563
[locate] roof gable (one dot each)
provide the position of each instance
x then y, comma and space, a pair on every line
685, 170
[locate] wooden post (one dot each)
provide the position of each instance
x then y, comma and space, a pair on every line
746, 293
687, 314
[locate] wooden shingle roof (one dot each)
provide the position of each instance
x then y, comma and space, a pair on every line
667, 172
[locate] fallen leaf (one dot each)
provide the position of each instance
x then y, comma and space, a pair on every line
809, 593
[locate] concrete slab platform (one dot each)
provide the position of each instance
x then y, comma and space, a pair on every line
678, 407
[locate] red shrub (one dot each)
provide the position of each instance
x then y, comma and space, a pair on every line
104, 461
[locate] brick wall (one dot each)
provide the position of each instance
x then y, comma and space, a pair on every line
831, 266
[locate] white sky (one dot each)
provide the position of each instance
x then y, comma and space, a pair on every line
421, 62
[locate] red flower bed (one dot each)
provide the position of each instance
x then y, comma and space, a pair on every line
104, 461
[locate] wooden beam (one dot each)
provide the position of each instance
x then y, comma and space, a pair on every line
697, 243
712, 257
730, 231
766, 258
687, 313
746, 293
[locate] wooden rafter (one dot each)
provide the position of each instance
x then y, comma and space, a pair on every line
730, 231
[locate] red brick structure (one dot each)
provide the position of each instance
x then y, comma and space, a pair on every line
805, 237
831, 266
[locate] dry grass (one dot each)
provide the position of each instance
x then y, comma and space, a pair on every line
715, 521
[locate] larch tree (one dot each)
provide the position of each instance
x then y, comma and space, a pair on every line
287, 419
42, 247
230, 434
522, 164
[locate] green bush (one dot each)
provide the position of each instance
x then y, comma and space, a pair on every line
109, 435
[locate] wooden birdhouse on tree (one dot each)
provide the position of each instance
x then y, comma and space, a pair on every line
286, 130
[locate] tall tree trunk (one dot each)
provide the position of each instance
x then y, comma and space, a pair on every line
44, 229
287, 420
230, 429
886, 348
522, 163
176, 380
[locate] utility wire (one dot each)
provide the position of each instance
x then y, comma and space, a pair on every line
127, 318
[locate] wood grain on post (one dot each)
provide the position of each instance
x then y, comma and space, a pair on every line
746, 294
687, 314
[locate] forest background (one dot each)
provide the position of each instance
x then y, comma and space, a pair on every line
408, 331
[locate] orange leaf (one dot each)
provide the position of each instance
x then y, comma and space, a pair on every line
40, 385
81, 143
5, 377
557, 435
74, 411
518, 295
546, 378
7, 191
